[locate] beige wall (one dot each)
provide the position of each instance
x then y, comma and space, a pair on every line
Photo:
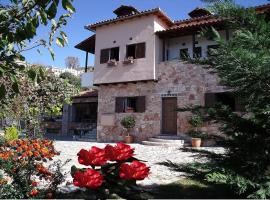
140, 30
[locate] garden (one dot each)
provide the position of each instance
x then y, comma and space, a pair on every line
34, 167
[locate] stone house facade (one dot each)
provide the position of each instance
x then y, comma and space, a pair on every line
140, 71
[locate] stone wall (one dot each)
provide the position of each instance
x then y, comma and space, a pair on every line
188, 81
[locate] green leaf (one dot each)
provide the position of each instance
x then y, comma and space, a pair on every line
64, 36
51, 52
68, 6
2, 91
51, 12
43, 16
60, 42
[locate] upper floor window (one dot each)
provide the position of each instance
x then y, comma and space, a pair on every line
197, 52
109, 54
210, 48
184, 54
136, 50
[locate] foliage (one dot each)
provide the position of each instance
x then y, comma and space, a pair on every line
72, 79
72, 62
128, 122
45, 97
242, 63
113, 170
11, 133
196, 121
24, 174
19, 23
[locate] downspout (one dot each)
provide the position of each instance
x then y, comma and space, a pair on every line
86, 62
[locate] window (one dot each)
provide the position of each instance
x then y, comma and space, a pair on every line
225, 98
130, 104
210, 48
197, 52
183, 54
109, 54
136, 50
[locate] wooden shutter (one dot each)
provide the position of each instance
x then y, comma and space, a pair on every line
140, 50
104, 55
140, 104
210, 99
119, 104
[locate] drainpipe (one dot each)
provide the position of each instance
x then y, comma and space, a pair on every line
86, 62
193, 44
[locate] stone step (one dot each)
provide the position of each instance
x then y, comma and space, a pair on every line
86, 139
166, 140
180, 143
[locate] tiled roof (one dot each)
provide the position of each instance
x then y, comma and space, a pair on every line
86, 94
156, 11
207, 20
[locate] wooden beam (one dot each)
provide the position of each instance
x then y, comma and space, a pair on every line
86, 62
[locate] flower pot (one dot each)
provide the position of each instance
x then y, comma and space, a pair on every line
196, 142
129, 139
129, 110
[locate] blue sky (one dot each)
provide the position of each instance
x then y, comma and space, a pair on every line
91, 11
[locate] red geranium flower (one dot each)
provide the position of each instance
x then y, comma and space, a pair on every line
136, 170
119, 152
95, 156
89, 178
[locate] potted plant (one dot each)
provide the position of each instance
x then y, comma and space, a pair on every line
196, 136
129, 110
112, 62
128, 60
128, 123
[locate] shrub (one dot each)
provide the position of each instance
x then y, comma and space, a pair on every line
11, 133
113, 170
25, 176
128, 122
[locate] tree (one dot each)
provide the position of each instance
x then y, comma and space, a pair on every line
19, 21
72, 79
243, 64
72, 62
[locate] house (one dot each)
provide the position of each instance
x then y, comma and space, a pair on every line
140, 70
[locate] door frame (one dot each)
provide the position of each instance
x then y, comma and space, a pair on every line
161, 119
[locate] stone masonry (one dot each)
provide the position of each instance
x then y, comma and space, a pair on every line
188, 81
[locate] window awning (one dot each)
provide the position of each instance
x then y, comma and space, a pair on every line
87, 45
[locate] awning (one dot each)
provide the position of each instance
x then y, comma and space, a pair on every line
87, 45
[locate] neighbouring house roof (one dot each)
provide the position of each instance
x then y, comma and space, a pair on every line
88, 44
156, 11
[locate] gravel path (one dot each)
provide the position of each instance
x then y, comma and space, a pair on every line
160, 174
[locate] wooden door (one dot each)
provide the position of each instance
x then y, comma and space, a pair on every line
169, 115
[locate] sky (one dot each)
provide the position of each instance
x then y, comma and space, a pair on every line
91, 11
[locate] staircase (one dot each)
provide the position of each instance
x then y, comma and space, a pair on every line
168, 141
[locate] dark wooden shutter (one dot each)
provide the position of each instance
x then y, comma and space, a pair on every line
140, 50
119, 104
104, 55
210, 99
140, 104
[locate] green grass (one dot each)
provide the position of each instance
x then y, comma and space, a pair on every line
192, 189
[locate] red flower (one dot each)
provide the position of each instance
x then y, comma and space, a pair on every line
89, 178
34, 183
33, 192
119, 152
136, 170
95, 156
